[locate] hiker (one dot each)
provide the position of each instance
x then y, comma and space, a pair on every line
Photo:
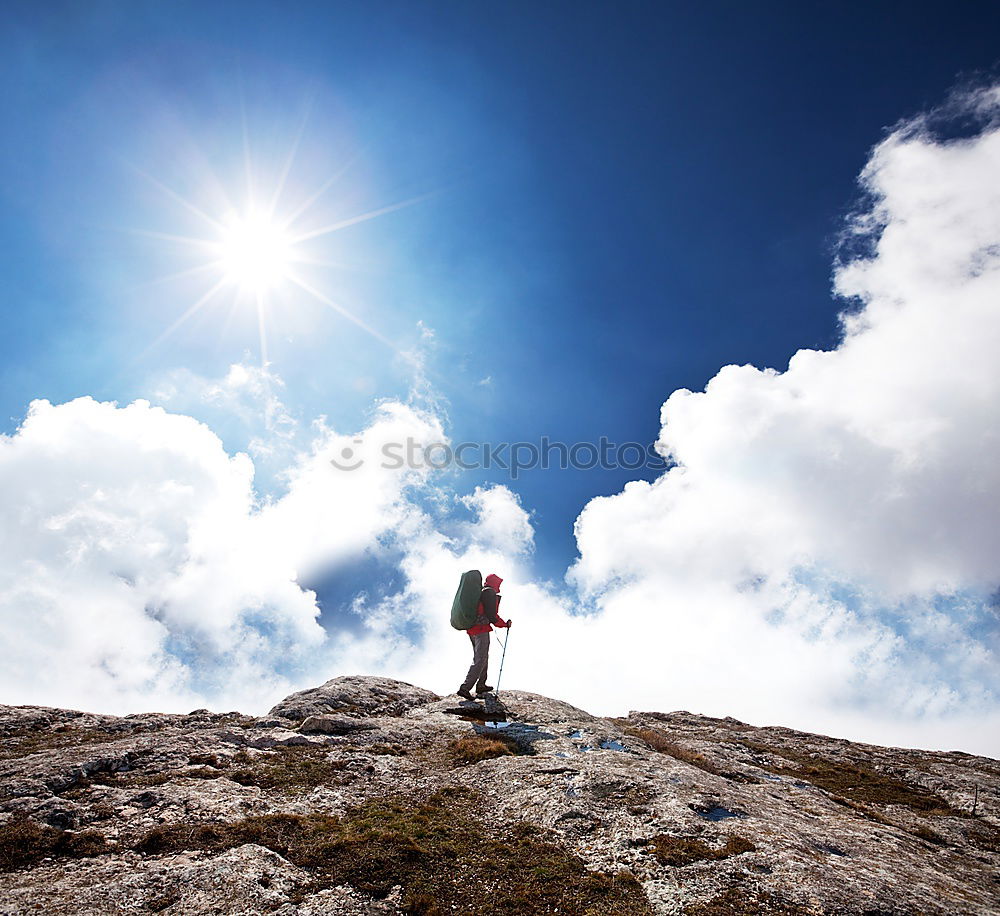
479, 636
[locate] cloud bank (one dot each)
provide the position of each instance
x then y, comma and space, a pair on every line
830, 533
822, 553
138, 564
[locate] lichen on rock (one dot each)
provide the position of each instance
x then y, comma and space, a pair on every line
372, 796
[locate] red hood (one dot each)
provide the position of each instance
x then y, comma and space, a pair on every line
493, 581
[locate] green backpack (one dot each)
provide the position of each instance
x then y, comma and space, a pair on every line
466, 603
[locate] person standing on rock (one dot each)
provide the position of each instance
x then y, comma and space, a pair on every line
479, 636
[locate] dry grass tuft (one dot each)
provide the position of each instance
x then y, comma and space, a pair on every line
984, 836
445, 859
853, 782
658, 741
475, 748
679, 851
23, 841
743, 901
293, 769
22, 742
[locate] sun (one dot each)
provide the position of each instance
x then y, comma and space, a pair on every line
261, 253
256, 253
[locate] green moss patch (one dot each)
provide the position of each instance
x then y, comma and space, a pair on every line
443, 856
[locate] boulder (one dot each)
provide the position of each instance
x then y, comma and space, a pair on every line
354, 696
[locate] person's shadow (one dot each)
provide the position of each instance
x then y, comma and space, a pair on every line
498, 722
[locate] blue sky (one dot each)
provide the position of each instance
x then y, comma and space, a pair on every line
622, 202
587, 209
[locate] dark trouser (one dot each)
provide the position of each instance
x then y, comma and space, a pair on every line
480, 661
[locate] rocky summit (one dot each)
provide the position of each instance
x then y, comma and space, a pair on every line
371, 796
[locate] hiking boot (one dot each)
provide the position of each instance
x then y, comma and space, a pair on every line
482, 691
464, 692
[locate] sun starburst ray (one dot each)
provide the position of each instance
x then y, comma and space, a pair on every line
261, 331
177, 275
347, 313
247, 160
317, 194
323, 262
259, 252
234, 307
193, 240
362, 218
279, 186
178, 198
191, 309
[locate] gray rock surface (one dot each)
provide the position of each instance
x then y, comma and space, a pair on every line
354, 696
293, 813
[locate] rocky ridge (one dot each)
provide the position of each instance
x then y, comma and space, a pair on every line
371, 796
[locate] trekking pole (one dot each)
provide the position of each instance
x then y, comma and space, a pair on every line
502, 657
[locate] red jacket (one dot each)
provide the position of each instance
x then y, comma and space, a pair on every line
487, 610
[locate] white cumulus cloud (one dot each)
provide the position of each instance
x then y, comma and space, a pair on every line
827, 545
138, 566
822, 553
